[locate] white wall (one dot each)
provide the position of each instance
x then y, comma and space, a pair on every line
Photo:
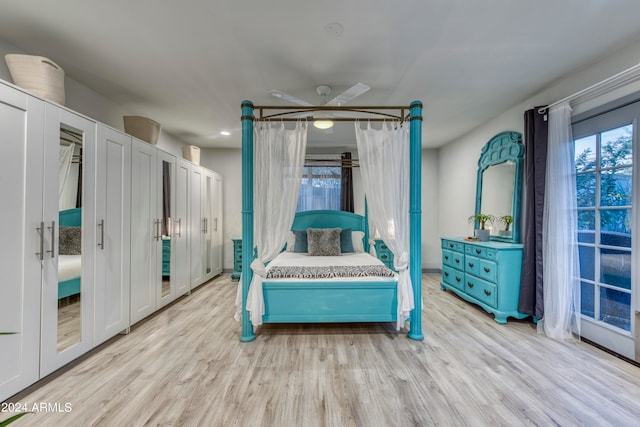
457, 161
85, 101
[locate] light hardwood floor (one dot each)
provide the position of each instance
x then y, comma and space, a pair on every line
186, 367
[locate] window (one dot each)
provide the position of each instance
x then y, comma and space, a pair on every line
320, 188
604, 177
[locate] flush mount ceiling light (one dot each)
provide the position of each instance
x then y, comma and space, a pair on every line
323, 124
225, 133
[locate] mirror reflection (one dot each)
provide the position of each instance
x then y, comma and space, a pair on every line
497, 195
166, 228
69, 237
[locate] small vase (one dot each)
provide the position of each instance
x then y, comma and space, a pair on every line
483, 235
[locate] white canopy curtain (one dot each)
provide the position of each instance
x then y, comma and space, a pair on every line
561, 271
384, 165
278, 162
64, 166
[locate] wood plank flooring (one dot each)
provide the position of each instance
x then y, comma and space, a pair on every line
186, 367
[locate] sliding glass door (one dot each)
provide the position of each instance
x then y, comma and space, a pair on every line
606, 150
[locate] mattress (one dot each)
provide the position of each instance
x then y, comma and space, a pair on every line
69, 266
359, 259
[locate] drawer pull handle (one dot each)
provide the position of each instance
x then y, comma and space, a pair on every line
470, 265
486, 270
487, 292
240, 256
383, 256
450, 245
478, 251
446, 274
383, 247
458, 279
457, 261
446, 257
469, 284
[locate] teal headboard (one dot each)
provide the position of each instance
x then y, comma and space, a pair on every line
70, 217
332, 219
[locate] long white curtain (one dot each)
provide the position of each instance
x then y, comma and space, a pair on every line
278, 162
384, 165
561, 269
64, 166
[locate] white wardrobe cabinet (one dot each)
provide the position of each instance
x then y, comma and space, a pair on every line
180, 269
21, 183
206, 225
113, 228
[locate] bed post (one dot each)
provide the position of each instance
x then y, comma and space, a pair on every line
415, 214
247, 216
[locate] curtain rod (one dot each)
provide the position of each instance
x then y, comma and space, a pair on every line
616, 78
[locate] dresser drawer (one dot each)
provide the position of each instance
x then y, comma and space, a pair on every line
453, 246
453, 259
472, 265
453, 277
480, 252
488, 270
481, 290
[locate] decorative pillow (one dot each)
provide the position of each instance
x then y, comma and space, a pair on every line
291, 241
346, 241
300, 241
358, 244
69, 240
323, 241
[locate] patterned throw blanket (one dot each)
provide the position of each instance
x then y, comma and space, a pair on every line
329, 272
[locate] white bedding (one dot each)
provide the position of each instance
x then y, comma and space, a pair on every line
292, 259
69, 266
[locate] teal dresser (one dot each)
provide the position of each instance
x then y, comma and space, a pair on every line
484, 273
384, 254
237, 259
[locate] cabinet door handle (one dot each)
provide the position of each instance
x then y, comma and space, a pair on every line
157, 223
204, 225
487, 292
478, 251
470, 265
101, 243
215, 224
179, 221
469, 284
40, 231
52, 228
486, 270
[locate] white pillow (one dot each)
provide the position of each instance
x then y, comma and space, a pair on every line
291, 242
358, 244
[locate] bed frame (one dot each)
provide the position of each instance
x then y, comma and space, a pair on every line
287, 302
69, 218
330, 301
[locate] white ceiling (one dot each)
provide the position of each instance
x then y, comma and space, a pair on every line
189, 64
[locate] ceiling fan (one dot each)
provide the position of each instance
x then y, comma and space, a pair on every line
323, 120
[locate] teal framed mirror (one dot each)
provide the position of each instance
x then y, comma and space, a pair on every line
499, 185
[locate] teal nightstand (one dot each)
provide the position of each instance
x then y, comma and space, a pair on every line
384, 254
237, 259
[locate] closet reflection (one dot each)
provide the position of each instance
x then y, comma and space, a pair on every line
166, 228
69, 238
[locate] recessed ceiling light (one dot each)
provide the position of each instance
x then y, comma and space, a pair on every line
225, 133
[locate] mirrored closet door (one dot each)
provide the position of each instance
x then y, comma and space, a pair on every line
68, 237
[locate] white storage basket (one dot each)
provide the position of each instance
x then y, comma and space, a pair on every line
191, 153
142, 128
37, 74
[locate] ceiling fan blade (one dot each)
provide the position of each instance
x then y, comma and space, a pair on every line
349, 94
289, 98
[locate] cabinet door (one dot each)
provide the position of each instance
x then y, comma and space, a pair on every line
68, 278
196, 227
145, 230
112, 261
165, 288
217, 230
21, 154
180, 235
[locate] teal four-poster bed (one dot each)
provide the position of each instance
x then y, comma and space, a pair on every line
317, 301
70, 267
